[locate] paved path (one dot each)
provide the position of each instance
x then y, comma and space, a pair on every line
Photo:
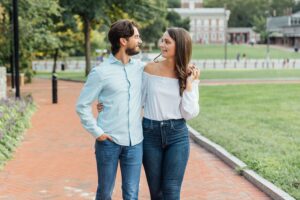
56, 159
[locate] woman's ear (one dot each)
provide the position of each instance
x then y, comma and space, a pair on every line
123, 41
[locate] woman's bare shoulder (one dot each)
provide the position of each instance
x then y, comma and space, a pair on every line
151, 67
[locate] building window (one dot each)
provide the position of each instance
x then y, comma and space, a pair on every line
213, 22
220, 36
206, 23
199, 22
221, 23
213, 36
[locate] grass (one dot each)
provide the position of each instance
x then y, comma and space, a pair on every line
206, 74
251, 74
260, 124
77, 76
255, 52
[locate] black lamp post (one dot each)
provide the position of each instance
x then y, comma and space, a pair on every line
16, 47
12, 65
225, 31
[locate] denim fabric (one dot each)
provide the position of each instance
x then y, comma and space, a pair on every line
107, 156
166, 152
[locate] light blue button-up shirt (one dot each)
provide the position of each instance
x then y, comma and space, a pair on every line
118, 87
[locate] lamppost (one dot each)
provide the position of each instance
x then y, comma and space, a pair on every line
12, 60
225, 34
16, 46
268, 36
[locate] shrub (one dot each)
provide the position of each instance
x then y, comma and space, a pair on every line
15, 117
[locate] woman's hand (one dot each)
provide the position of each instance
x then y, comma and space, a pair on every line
193, 72
99, 107
103, 136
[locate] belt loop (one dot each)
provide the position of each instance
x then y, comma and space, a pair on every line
171, 123
151, 123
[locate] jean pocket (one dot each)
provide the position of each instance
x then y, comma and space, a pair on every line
178, 126
147, 124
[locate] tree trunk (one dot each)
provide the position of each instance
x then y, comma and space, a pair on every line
55, 59
87, 45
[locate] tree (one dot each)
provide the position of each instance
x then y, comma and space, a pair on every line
5, 40
175, 20
103, 12
35, 25
173, 3
152, 30
296, 7
252, 13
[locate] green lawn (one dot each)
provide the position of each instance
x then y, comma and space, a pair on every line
208, 74
251, 74
257, 51
260, 124
77, 76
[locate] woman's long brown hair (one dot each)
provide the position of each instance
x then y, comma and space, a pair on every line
183, 53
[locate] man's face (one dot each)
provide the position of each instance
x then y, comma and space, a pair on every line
134, 43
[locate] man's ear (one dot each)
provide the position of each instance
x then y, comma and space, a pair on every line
123, 41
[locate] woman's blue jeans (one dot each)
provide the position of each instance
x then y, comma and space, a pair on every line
166, 152
108, 154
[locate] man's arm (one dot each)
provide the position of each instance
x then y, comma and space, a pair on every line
90, 92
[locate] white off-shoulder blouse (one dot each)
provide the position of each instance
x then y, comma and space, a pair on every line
162, 101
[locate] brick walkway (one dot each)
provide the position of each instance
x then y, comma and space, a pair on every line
56, 159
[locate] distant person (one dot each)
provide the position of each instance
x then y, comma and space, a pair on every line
252, 42
238, 55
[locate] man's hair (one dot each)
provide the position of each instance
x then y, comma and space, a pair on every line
120, 29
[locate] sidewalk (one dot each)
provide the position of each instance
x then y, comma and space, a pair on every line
56, 159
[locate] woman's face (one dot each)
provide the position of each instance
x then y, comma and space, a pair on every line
167, 46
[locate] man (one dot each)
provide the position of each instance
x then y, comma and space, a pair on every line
118, 130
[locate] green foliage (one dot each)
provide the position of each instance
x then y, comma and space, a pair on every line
175, 20
252, 13
35, 25
174, 4
296, 8
14, 119
95, 13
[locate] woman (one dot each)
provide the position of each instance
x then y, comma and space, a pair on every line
170, 96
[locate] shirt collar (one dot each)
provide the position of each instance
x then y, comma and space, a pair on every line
112, 59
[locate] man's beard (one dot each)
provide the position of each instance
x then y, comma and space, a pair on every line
132, 51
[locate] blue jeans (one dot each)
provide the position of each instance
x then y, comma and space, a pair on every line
166, 152
108, 155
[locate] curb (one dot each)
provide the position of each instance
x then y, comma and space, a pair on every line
264, 185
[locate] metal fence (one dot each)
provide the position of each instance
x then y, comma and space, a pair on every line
248, 64
74, 65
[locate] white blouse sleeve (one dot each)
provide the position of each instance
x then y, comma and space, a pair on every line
189, 106
144, 88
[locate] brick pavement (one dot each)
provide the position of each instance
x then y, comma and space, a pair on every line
56, 159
